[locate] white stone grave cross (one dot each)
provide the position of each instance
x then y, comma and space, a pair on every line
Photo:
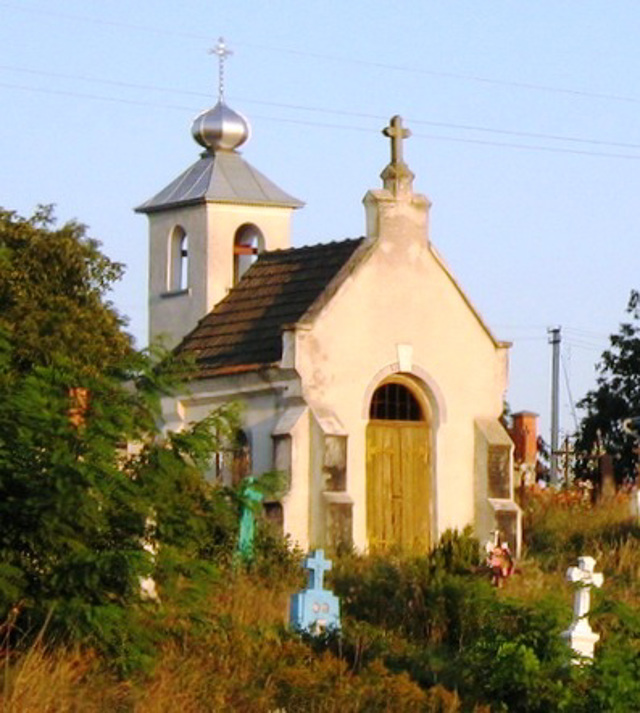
580, 636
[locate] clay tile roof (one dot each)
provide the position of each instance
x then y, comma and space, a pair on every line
243, 332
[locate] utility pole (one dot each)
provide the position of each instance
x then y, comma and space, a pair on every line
555, 390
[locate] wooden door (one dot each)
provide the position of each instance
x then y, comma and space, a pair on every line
398, 485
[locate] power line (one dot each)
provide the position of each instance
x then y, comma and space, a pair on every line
530, 86
568, 385
324, 110
452, 75
586, 341
101, 80
107, 23
300, 122
517, 340
588, 332
585, 347
84, 95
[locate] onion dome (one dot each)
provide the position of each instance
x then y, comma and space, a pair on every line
220, 128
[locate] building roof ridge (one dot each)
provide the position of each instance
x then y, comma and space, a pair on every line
314, 246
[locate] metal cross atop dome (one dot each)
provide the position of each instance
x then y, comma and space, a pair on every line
397, 133
223, 52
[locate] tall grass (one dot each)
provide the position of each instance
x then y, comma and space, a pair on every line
45, 680
419, 634
237, 656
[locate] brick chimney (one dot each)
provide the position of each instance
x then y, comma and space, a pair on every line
524, 434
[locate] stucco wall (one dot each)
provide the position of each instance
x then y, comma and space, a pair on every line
399, 310
211, 229
267, 400
401, 295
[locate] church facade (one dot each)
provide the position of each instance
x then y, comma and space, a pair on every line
366, 376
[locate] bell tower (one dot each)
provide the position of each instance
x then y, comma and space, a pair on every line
209, 224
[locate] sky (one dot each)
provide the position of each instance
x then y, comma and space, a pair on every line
525, 137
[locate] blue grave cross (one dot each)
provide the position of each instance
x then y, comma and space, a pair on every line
317, 566
315, 608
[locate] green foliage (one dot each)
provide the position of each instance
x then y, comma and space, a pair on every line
613, 682
411, 595
516, 657
559, 529
438, 618
75, 504
85, 477
616, 397
53, 283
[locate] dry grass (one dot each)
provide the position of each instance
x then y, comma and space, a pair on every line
559, 529
239, 658
530, 583
241, 661
58, 681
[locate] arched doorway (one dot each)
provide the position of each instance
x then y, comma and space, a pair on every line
399, 467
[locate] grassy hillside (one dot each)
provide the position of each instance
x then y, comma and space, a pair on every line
419, 633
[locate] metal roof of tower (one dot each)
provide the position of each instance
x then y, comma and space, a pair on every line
220, 177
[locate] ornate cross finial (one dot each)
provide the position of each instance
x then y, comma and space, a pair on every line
223, 52
397, 134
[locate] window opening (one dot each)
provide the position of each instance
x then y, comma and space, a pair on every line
395, 402
178, 261
248, 243
184, 263
232, 463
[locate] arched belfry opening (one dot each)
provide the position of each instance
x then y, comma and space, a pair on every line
247, 245
399, 464
178, 262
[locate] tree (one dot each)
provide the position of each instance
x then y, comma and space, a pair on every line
615, 399
53, 287
76, 500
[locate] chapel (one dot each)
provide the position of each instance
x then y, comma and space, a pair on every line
365, 374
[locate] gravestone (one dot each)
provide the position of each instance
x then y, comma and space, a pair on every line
580, 636
606, 478
315, 609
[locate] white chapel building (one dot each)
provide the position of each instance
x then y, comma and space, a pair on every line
366, 375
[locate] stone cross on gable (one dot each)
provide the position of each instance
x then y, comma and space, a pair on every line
397, 133
396, 177
579, 635
223, 52
317, 566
